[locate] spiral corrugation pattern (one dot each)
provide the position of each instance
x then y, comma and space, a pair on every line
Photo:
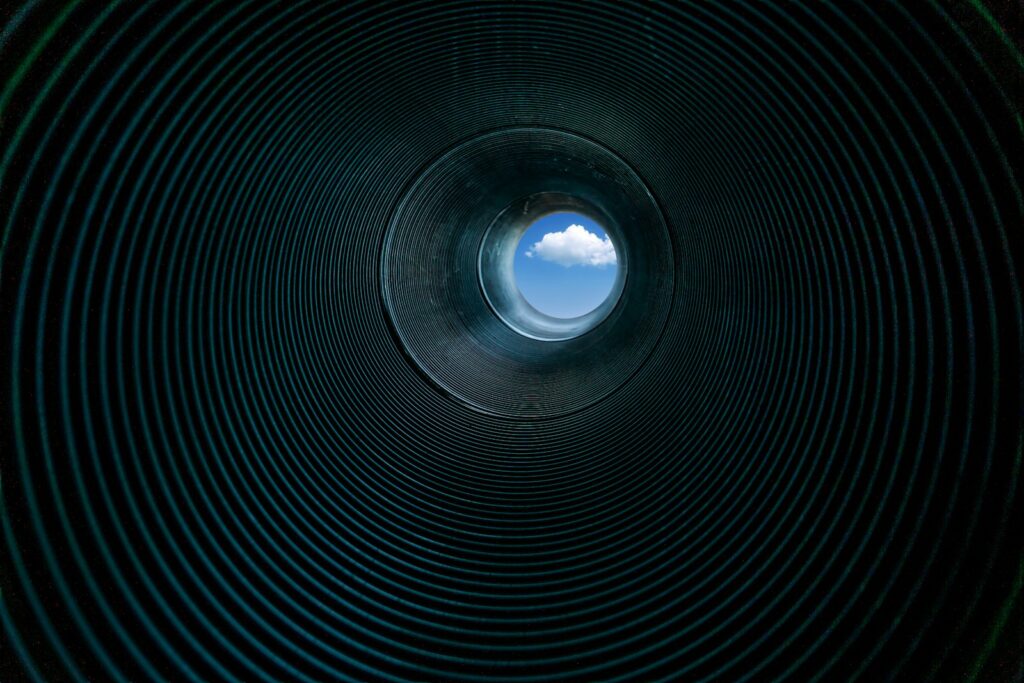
220, 463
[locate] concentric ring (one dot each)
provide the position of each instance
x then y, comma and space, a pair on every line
446, 274
240, 288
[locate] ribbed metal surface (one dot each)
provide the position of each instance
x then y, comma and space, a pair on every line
439, 307
219, 462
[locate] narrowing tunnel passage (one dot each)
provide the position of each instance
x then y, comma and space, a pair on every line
279, 399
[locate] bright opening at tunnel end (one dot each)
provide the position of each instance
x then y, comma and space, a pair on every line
565, 265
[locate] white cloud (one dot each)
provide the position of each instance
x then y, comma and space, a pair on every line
574, 246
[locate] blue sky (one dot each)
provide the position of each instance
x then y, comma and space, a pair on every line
565, 265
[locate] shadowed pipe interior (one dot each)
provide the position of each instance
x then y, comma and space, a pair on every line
260, 423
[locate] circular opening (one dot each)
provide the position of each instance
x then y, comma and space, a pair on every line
551, 267
565, 265
448, 281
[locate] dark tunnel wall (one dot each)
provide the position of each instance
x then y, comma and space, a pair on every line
794, 453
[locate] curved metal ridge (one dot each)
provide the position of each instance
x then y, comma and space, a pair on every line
480, 341
259, 423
